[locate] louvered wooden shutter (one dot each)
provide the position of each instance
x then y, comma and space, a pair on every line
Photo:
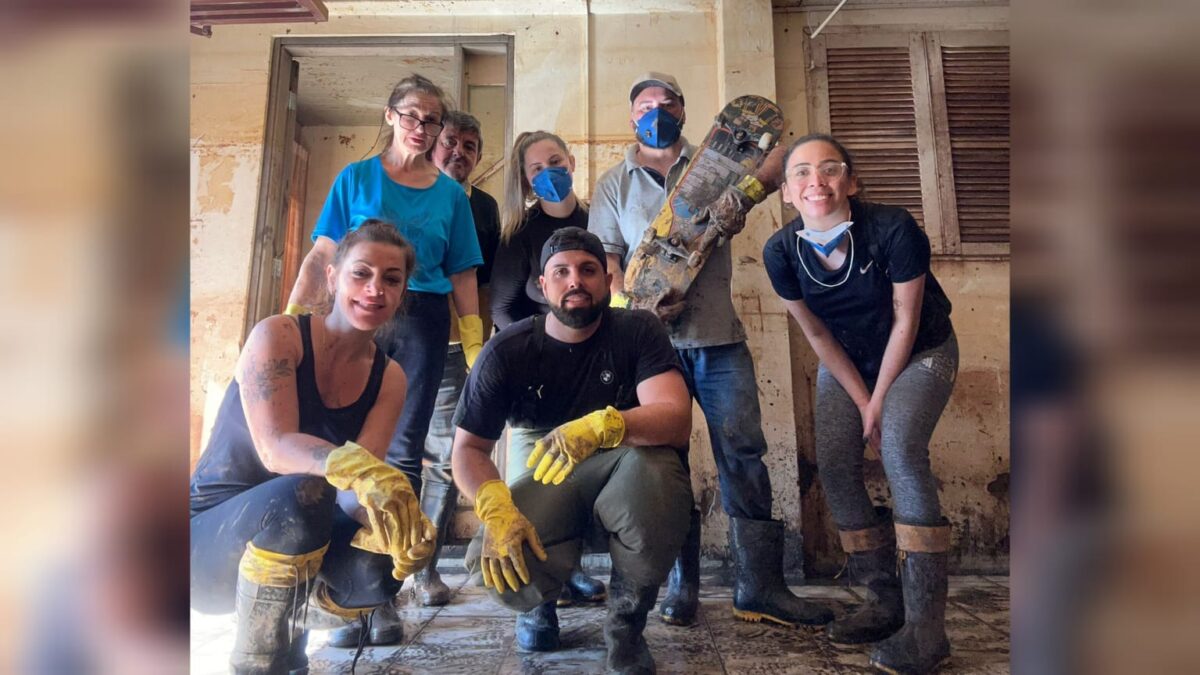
871, 111
977, 111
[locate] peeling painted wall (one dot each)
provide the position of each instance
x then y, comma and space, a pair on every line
572, 76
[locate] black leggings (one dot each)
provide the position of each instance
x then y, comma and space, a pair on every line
291, 515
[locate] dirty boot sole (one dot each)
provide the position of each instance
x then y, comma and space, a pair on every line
684, 622
760, 616
884, 668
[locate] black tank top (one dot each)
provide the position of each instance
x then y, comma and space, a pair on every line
230, 464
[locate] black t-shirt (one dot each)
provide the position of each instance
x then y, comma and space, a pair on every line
487, 228
515, 290
230, 464
855, 301
532, 381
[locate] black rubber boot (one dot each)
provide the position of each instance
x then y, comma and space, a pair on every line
383, 627
872, 563
920, 646
298, 654
683, 586
628, 606
537, 629
267, 633
759, 590
438, 501
581, 588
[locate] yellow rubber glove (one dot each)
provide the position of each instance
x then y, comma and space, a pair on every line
557, 453
396, 526
619, 300
504, 531
470, 330
296, 310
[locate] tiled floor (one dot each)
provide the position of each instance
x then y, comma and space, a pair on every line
474, 635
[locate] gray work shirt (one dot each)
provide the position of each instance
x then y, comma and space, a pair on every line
625, 200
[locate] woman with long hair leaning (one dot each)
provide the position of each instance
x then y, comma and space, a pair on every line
310, 412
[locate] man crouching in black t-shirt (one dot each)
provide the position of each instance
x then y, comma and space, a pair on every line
605, 384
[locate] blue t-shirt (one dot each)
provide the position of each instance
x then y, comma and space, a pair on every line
437, 220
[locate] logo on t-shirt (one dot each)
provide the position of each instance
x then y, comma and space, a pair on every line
606, 376
863, 270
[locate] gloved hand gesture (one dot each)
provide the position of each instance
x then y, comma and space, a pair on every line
504, 531
396, 526
728, 212
667, 310
556, 454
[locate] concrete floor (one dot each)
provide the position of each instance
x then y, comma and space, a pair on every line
474, 635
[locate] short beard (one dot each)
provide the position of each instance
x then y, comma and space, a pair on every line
581, 317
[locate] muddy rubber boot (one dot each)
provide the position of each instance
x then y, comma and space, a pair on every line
628, 605
438, 501
383, 627
537, 629
683, 586
759, 590
581, 588
872, 563
298, 654
920, 646
266, 629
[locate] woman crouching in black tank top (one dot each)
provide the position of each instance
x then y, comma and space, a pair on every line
310, 412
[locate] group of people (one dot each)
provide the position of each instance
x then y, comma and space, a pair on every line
355, 418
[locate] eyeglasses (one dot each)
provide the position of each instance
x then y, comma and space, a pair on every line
410, 122
828, 170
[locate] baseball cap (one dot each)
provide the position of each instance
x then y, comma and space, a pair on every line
653, 79
573, 239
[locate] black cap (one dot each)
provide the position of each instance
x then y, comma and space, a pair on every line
573, 239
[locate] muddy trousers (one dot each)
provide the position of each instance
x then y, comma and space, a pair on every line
721, 379
291, 515
910, 412
638, 497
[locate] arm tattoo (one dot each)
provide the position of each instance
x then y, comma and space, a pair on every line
265, 379
320, 453
896, 304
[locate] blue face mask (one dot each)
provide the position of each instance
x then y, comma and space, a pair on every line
552, 183
826, 241
658, 129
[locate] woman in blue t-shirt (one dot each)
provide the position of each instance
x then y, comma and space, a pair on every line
401, 185
856, 277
